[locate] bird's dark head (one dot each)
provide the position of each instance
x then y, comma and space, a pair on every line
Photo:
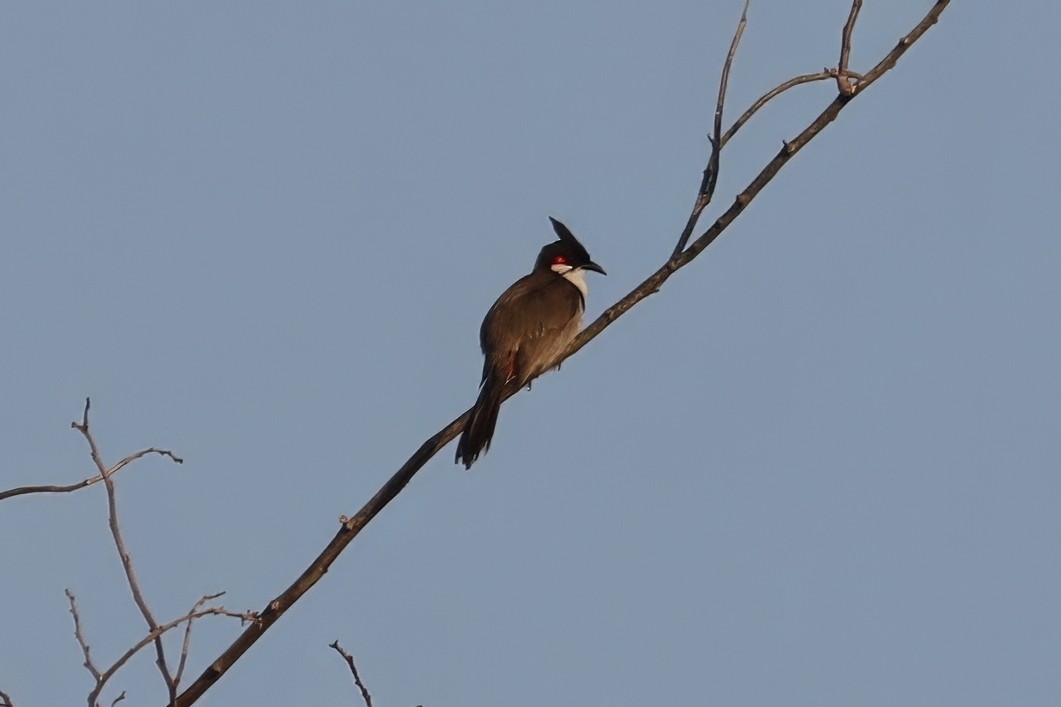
565, 254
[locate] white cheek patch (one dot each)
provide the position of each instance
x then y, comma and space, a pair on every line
576, 276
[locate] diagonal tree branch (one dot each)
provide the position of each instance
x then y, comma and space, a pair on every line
350, 527
652, 284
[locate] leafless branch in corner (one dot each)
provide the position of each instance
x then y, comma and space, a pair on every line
155, 630
123, 551
710, 180
102, 677
353, 671
353, 525
164, 628
5, 700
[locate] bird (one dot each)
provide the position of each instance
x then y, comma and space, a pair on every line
526, 330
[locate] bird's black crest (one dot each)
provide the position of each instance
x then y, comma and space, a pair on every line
566, 236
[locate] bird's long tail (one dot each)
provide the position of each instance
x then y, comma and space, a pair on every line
479, 430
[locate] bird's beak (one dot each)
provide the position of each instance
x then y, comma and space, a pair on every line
594, 267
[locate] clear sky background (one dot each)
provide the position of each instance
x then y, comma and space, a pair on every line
819, 468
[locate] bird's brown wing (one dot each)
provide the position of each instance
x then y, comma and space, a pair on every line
529, 325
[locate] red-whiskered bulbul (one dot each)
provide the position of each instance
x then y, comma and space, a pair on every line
528, 326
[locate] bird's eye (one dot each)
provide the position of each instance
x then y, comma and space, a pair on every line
559, 260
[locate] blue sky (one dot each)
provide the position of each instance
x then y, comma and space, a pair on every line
819, 468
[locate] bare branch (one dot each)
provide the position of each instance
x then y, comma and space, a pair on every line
157, 633
123, 551
5, 700
80, 636
891, 58
23, 490
710, 180
352, 526
845, 87
155, 630
353, 670
772, 94
186, 643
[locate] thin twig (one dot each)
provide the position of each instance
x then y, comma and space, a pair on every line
652, 284
353, 670
123, 551
80, 636
155, 630
710, 180
157, 633
845, 86
769, 96
891, 58
5, 700
352, 526
186, 643
22, 490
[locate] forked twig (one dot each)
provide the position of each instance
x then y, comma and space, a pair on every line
102, 677
353, 671
186, 643
710, 180
169, 626
155, 630
157, 633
